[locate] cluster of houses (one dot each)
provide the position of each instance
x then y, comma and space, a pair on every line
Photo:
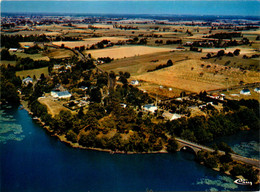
247, 91
153, 108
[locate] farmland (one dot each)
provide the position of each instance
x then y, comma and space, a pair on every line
32, 72
126, 51
189, 73
87, 42
191, 76
38, 56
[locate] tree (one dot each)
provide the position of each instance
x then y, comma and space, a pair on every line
172, 145
225, 147
88, 140
95, 95
236, 52
42, 77
220, 53
169, 62
183, 94
189, 135
9, 92
211, 162
224, 168
127, 75
5, 55
226, 158
71, 136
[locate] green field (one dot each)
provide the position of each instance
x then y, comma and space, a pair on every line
4, 62
37, 56
32, 72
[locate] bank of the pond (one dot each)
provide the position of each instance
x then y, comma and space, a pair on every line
77, 145
34, 161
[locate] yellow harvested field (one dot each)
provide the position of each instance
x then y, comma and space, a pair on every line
81, 25
165, 33
88, 42
126, 51
186, 75
103, 26
54, 108
242, 50
52, 33
251, 32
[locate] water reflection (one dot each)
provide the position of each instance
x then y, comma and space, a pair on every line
10, 130
221, 183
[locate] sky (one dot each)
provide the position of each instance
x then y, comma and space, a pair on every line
175, 7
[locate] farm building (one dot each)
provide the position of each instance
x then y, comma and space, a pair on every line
55, 67
27, 80
59, 87
150, 108
61, 94
134, 82
175, 116
245, 92
257, 90
13, 49
83, 88
123, 105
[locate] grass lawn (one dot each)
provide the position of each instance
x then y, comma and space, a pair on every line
53, 107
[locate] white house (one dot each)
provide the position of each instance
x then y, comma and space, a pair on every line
83, 88
27, 80
257, 90
55, 67
175, 116
60, 94
13, 49
150, 108
134, 82
245, 92
123, 105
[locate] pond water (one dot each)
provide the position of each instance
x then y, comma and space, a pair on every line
32, 160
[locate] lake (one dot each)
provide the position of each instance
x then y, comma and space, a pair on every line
32, 160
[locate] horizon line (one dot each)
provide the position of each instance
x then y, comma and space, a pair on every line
132, 14
124, 0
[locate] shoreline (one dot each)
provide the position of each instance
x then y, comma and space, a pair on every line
62, 138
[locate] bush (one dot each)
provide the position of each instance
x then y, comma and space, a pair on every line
172, 145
